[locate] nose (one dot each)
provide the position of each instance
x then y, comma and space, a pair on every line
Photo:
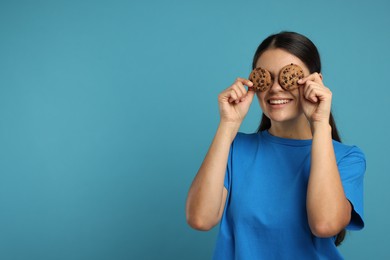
275, 86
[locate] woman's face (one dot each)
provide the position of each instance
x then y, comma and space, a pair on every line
278, 104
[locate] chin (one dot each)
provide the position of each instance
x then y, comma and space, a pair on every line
280, 118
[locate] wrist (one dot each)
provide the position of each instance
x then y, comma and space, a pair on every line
321, 127
229, 129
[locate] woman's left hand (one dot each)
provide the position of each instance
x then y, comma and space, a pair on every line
315, 98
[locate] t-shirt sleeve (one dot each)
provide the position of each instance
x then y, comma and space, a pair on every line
229, 168
352, 167
226, 182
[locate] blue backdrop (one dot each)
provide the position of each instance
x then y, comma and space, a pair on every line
107, 109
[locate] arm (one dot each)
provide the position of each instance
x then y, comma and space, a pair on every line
328, 209
207, 195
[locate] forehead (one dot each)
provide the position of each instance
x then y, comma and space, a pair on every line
275, 59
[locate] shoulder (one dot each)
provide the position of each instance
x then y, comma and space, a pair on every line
243, 139
245, 142
351, 161
344, 151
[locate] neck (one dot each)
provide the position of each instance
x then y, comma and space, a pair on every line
294, 129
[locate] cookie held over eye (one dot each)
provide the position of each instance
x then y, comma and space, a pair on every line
289, 76
261, 79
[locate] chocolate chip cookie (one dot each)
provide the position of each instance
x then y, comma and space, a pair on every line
289, 76
261, 79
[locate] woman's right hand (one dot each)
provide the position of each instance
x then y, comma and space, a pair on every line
207, 196
234, 102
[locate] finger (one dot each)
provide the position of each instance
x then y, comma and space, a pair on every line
302, 93
316, 77
245, 82
310, 85
240, 89
307, 90
249, 96
244, 92
236, 95
232, 95
312, 95
237, 91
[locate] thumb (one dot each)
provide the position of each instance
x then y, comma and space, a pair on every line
249, 96
301, 96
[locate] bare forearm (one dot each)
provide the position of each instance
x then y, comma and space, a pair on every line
206, 192
327, 207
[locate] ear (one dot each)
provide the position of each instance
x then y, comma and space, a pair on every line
320, 74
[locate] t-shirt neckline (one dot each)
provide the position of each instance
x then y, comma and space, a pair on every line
285, 141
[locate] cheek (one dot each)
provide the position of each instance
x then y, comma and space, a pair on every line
260, 98
295, 94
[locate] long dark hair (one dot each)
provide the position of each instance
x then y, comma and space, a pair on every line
303, 48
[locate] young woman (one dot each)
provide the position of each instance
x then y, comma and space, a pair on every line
290, 190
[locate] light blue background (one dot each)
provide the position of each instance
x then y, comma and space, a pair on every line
107, 109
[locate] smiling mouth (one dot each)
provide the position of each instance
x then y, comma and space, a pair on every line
278, 101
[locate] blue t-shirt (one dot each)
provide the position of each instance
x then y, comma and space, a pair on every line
265, 213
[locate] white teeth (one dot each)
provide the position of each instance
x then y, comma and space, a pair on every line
279, 101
